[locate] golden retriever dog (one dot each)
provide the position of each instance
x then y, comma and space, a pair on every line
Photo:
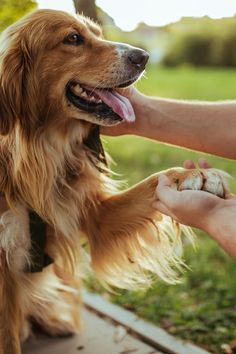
58, 83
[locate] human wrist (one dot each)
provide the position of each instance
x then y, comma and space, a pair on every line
223, 229
213, 223
139, 102
146, 113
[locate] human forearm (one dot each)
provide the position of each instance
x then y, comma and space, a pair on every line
202, 126
221, 227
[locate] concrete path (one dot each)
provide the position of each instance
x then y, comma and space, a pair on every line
110, 329
97, 337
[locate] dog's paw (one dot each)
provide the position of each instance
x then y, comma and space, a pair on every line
209, 180
57, 328
25, 331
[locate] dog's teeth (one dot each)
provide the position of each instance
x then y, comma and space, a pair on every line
83, 94
78, 89
99, 101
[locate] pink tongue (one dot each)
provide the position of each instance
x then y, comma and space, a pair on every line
119, 104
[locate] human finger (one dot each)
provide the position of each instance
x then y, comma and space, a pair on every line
203, 163
165, 193
162, 208
116, 130
189, 164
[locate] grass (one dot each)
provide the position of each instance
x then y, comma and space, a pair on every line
202, 308
190, 83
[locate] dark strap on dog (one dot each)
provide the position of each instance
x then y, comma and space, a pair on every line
38, 236
94, 144
39, 259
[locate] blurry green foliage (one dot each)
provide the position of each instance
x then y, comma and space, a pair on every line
12, 10
202, 42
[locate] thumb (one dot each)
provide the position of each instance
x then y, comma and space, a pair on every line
164, 191
128, 92
115, 130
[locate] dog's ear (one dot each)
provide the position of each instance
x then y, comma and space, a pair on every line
15, 63
11, 81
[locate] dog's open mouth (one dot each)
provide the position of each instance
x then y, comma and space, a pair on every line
105, 104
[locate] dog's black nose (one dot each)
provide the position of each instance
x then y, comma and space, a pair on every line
138, 58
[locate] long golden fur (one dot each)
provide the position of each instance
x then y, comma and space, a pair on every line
46, 166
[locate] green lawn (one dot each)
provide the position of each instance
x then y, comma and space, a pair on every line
203, 308
190, 83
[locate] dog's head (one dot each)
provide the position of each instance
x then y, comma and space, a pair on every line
55, 65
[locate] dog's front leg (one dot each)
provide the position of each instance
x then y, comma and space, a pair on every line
9, 309
129, 239
14, 253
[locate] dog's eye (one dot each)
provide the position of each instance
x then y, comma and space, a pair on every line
73, 39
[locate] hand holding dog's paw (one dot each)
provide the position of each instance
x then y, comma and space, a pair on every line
181, 195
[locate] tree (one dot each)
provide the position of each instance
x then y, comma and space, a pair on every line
86, 7
12, 10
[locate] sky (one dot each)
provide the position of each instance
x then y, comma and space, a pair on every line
128, 13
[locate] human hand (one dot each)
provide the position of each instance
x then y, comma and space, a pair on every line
200, 209
189, 207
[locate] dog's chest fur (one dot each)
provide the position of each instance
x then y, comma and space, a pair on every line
61, 183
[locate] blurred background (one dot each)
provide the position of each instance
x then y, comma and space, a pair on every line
192, 46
